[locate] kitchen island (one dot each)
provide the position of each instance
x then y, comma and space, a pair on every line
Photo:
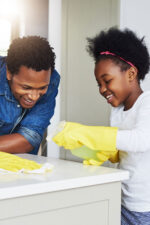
71, 194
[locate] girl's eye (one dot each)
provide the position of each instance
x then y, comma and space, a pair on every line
107, 81
99, 85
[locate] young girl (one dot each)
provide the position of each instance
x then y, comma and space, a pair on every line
121, 61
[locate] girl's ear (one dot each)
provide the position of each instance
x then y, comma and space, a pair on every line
132, 73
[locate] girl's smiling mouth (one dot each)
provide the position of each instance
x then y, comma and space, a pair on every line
109, 98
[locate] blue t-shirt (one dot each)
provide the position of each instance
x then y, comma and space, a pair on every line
30, 123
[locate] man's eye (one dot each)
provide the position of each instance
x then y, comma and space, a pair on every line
26, 88
43, 88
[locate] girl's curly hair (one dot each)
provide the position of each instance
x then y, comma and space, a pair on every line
123, 43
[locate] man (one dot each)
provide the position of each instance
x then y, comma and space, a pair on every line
28, 88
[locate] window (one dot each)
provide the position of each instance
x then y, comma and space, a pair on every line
5, 37
9, 23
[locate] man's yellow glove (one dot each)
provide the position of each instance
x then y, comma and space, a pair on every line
15, 163
75, 135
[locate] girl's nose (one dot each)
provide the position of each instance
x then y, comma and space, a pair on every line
102, 89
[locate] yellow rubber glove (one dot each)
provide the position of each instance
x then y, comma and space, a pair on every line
95, 157
11, 162
75, 135
86, 141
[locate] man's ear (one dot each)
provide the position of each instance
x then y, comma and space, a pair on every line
132, 74
8, 75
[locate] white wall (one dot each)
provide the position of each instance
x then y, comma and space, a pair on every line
35, 17
135, 14
54, 37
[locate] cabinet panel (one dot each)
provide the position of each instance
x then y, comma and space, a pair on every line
99, 204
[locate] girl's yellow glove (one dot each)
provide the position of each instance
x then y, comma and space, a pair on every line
95, 157
75, 135
94, 144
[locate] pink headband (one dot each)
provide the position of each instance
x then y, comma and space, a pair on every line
110, 53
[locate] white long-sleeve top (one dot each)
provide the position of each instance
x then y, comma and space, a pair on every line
133, 141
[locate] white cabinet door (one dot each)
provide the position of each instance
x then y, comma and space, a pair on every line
80, 98
97, 205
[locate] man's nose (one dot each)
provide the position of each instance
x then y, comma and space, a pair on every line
34, 95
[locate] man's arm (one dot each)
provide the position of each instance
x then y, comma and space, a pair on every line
14, 143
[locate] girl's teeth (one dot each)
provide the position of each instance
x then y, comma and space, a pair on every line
108, 96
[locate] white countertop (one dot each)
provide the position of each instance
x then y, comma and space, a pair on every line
65, 175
